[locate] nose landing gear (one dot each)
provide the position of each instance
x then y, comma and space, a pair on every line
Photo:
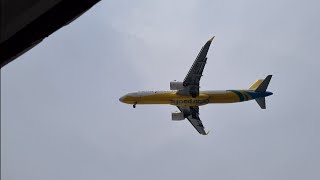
134, 105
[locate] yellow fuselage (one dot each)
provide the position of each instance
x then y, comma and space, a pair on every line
170, 97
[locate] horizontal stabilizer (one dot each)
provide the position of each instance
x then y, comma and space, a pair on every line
262, 102
264, 85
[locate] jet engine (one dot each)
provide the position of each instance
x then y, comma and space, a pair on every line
177, 116
175, 85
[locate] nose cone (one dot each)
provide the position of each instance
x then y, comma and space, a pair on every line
130, 98
122, 99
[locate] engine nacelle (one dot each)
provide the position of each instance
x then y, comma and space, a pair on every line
175, 85
177, 116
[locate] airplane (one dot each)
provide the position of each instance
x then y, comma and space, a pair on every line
187, 96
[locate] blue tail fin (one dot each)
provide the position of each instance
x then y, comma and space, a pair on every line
263, 88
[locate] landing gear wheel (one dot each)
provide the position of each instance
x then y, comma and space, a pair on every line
134, 106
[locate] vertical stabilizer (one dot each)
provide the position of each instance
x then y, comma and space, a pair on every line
256, 85
261, 87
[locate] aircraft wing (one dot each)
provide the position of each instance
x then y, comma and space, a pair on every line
192, 114
192, 80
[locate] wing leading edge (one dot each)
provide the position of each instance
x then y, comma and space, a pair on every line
192, 80
192, 114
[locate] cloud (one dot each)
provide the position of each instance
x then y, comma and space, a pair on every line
61, 118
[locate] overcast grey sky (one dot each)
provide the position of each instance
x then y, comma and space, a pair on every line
61, 118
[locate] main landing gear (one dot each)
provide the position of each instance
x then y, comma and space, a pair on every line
135, 105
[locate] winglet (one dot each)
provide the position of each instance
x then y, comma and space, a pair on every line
211, 38
207, 132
